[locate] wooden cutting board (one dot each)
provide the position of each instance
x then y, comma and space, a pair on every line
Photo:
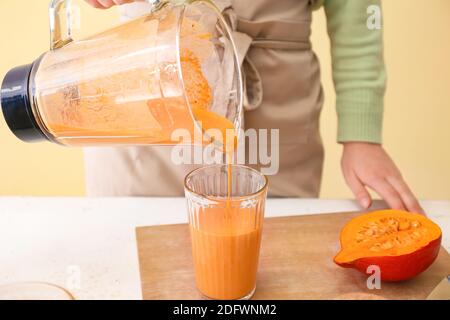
296, 262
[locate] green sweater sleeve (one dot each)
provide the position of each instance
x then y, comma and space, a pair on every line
358, 69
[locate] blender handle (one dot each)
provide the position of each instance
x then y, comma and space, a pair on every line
57, 39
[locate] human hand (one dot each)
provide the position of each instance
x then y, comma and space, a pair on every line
368, 165
105, 4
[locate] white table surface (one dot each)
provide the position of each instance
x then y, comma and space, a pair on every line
57, 240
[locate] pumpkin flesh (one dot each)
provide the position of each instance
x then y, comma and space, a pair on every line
402, 244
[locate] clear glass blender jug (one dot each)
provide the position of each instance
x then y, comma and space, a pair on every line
173, 68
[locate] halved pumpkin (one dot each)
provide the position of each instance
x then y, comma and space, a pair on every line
400, 243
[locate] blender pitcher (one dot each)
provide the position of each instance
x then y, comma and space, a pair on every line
173, 68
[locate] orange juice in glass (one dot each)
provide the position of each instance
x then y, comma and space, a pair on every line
226, 228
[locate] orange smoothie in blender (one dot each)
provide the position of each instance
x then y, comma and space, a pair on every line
92, 114
140, 91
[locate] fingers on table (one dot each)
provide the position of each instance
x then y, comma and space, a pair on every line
358, 189
388, 193
408, 198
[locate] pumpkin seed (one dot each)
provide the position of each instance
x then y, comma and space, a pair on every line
387, 245
376, 247
415, 224
404, 225
415, 235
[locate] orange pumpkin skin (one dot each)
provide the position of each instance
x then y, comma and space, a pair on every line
399, 268
400, 243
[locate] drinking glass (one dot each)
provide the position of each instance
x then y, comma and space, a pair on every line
226, 212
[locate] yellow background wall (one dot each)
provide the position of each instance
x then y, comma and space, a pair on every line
417, 117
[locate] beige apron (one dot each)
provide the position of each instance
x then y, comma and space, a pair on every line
283, 91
